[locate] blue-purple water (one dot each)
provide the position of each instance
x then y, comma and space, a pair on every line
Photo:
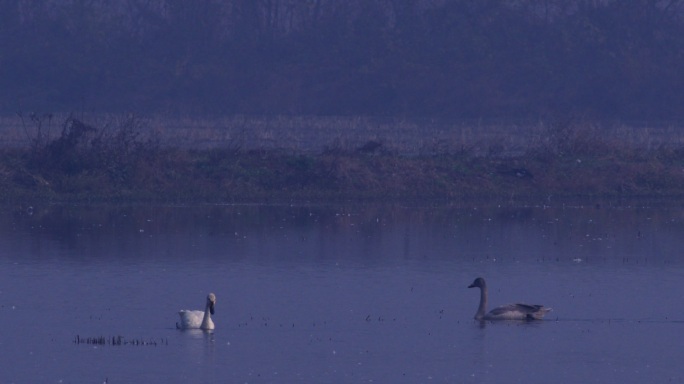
332, 294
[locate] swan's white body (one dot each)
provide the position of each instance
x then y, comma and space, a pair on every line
516, 311
198, 319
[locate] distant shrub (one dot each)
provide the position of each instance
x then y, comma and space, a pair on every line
112, 149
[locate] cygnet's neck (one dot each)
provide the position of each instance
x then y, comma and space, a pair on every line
480, 314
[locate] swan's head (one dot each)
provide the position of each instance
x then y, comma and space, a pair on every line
478, 283
211, 301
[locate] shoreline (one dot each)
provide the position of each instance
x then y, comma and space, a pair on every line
116, 163
177, 176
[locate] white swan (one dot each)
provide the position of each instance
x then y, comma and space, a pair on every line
198, 319
506, 312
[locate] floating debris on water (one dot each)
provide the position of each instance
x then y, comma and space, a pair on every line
118, 341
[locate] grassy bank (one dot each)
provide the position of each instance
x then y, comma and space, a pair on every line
87, 163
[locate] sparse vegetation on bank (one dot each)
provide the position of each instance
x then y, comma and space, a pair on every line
115, 163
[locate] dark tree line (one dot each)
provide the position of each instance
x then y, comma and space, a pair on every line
439, 58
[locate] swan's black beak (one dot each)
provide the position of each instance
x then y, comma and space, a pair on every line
471, 285
211, 308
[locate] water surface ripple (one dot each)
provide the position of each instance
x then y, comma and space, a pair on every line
331, 294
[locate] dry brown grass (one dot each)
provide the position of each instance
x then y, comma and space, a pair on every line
309, 134
265, 159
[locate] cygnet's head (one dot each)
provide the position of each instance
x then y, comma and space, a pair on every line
478, 283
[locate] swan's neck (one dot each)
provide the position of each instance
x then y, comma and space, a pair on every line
207, 323
480, 314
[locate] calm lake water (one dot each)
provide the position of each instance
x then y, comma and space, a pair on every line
341, 294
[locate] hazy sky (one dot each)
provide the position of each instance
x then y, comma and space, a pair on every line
448, 58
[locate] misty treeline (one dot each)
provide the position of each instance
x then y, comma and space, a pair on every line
429, 58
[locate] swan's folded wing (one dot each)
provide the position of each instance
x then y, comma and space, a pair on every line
509, 311
518, 311
528, 307
190, 319
533, 311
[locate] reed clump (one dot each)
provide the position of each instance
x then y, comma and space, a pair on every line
118, 341
117, 162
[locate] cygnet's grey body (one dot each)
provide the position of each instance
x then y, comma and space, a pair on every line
506, 312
